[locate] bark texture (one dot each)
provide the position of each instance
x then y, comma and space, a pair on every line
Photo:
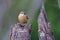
44, 27
20, 32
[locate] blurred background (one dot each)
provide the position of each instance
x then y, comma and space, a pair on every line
9, 10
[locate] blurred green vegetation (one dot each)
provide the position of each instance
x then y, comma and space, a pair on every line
53, 14
52, 11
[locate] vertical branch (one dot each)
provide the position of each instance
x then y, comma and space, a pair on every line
44, 28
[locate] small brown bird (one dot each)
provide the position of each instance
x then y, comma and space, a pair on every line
22, 18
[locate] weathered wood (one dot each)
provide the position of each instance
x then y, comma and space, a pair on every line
44, 28
20, 32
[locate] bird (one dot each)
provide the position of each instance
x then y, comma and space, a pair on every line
22, 18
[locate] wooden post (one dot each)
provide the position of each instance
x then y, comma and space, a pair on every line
44, 27
20, 32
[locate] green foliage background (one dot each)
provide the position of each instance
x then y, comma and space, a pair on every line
32, 7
